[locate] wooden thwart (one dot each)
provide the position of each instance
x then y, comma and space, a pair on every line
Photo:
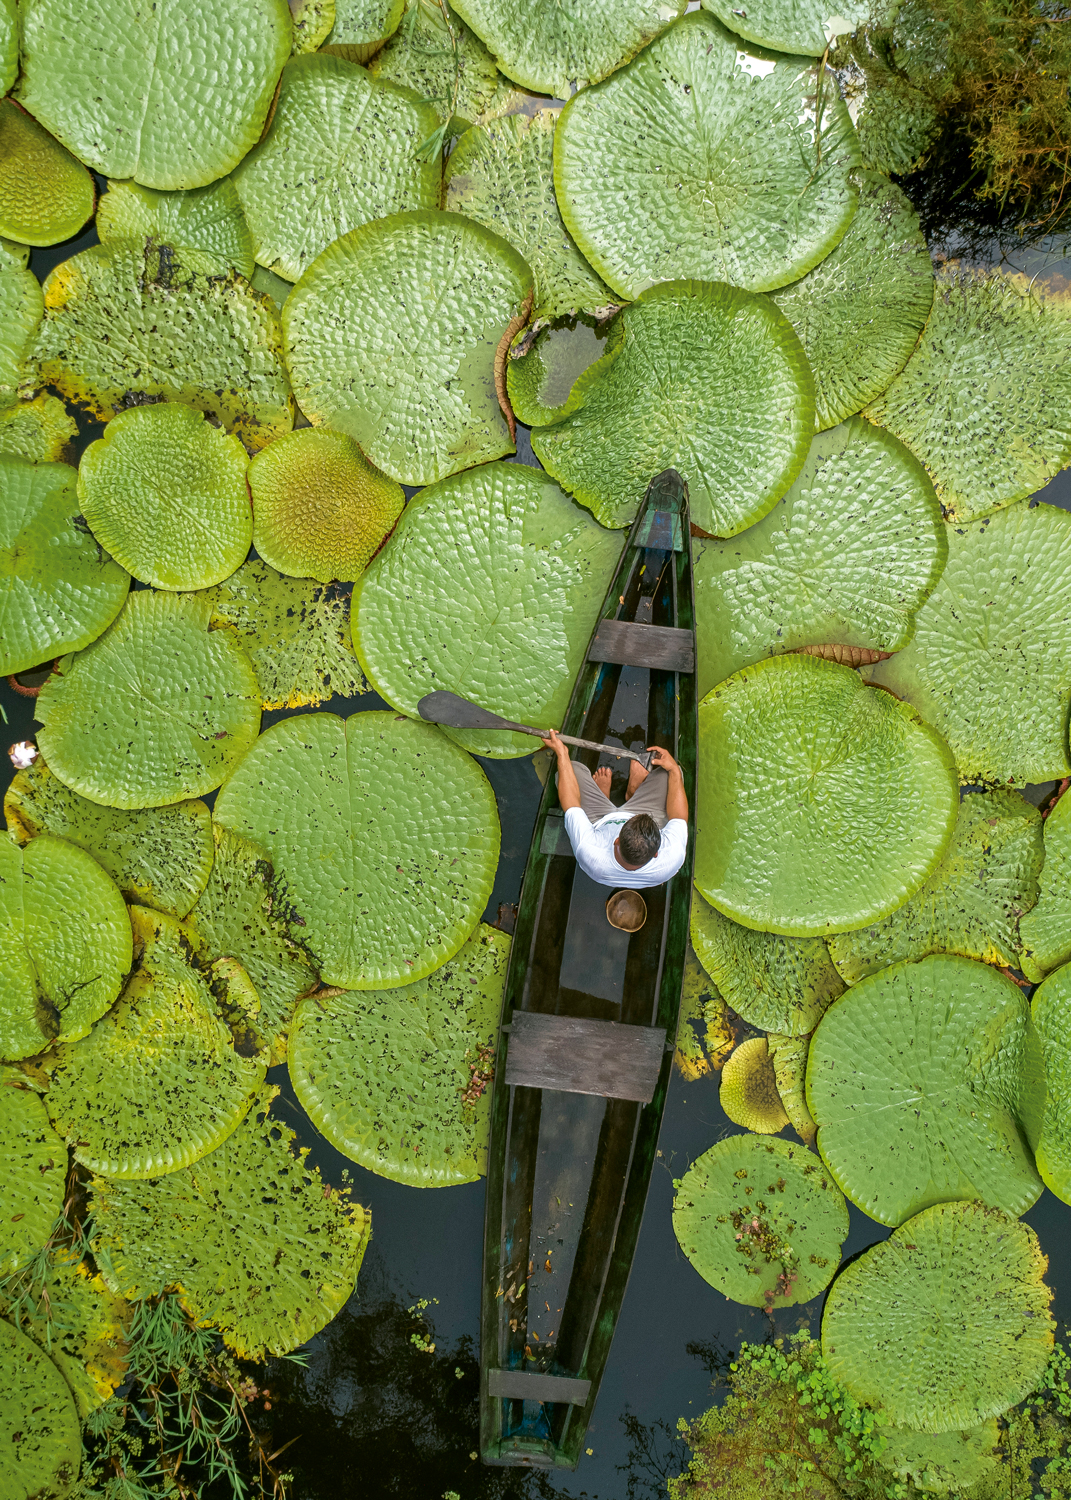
526, 1385
577, 1055
633, 645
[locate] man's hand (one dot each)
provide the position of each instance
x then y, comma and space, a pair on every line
676, 797
554, 741
660, 757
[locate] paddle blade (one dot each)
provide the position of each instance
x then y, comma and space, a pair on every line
459, 713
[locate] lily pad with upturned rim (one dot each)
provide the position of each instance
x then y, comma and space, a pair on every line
1051, 1010
747, 1091
208, 220
34, 1175
39, 1430
544, 382
791, 25
46, 194
1045, 932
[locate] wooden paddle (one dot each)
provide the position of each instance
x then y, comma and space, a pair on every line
459, 713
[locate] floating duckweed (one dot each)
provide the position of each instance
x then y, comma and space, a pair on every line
46, 194
749, 1089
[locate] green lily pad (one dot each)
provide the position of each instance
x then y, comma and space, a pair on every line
254, 1242
313, 20
989, 665
46, 194
799, 763
361, 27
346, 807
543, 373
788, 1054
780, 984
129, 319
39, 1429
748, 1092
985, 400
846, 557
502, 175
159, 709
790, 25
13, 256
59, 591
711, 381
860, 311
34, 1176
9, 44
971, 903
208, 220
1051, 1009
296, 633
158, 857
173, 97
320, 509
760, 1219
915, 1078
897, 125
237, 917
156, 1084
705, 1032
39, 430
397, 1080
21, 306
65, 944
440, 59
700, 159
1045, 932
341, 151
164, 491
941, 1463
391, 337
906, 1330
490, 588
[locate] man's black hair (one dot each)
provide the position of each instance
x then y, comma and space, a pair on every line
640, 840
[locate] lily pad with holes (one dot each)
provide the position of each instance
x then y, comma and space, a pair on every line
502, 175
860, 311
58, 590
160, 709
384, 837
391, 337
799, 763
34, 1175
46, 194
906, 1331
985, 400
435, 54
342, 150
780, 984
761, 1220
21, 306
806, 26
296, 633
39, 1430
705, 1032
320, 509
989, 665
360, 27
847, 558
748, 1092
700, 159
130, 320
1045, 932
39, 430
710, 381
157, 1083
490, 588
208, 220
164, 491
917, 1078
65, 944
173, 97
1051, 1009
398, 1080
972, 902
543, 381
251, 1238
158, 857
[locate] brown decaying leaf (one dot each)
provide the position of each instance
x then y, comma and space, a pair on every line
501, 354
848, 656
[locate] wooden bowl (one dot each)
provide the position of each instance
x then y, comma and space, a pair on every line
626, 910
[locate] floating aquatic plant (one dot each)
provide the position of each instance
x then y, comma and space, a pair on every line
748, 1089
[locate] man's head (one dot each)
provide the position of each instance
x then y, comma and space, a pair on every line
639, 841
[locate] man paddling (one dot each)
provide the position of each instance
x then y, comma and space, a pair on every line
638, 848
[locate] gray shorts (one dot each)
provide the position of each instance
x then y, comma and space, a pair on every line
649, 798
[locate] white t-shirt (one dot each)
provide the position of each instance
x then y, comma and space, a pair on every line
593, 845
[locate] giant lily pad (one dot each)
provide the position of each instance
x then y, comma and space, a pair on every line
130, 318
847, 557
397, 1079
502, 175
989, 665
58, 590
34, 1173
384, 837
65, 944
776, 983
156, 1084
38, 430
173, 96
159, 857
21, 306
916, 1077
860, 311
159, 709
703, 158
39, 1431
790, 25
1045, 932
46, 195
164, 491
710, 381
254, 1242
9, 44
799, 763
1051, 1007
788, 1054
941, 1463
907, 1328
360, 27
971, 903
341, 151
391, 337
545, 365
208, 220
761, 1220
985, 400
489, 588
435, 54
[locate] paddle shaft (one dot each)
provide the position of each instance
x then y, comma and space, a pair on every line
459, 713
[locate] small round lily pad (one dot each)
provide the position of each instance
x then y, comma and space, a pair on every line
39, 1430
1045, 932
34, 1178
46, 194
1051, 1008
208, 220
748, 1089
